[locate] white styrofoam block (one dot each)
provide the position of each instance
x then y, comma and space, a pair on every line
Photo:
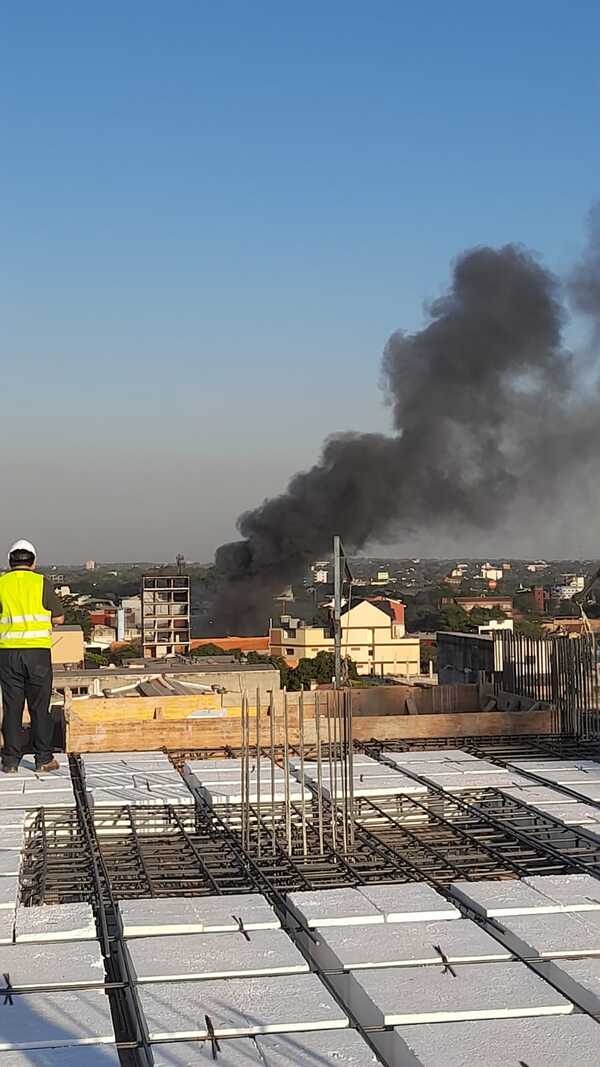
50, 1020
433, 769
409, 902
240, 1053
7, 925
483, 766
10, 861
453, 784
480, 991
38, 798
12, 837
552, 936
380, 787
244, 1008
579, 979
405, 945
231, 794
140, 796
10, 817
437, 755
570, 1041
537, 794
587, 791
578, 892
344, 1048
58, 964
58, 922
178, 915
495, 899
334, 907
121, 757
11, 783
577, 814
214, 956
571, 778
9, 891
81, 1056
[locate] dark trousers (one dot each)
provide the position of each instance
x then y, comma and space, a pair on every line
26, 675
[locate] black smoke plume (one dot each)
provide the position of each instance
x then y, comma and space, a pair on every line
487, 420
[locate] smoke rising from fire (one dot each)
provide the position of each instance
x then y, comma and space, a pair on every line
488, 418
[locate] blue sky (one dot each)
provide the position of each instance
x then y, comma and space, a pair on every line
213, 216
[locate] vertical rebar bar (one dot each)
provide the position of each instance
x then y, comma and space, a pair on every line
350, 767
258, 755
243, 769
302, 798
339, 706
286, 773
319, 771
272, 742
332, 807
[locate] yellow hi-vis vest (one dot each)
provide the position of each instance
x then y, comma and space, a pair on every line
24, 621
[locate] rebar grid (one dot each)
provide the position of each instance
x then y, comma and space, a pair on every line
55, 865
168, 851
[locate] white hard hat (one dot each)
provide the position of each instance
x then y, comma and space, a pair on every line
21, 546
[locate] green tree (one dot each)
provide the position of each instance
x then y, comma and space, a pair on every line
75, 615
210, 650
454, 618
530, 627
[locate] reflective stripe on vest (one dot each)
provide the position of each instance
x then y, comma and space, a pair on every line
24, 622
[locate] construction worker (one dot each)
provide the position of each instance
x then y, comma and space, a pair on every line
28, 608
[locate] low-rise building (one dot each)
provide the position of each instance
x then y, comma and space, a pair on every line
373, 637
492, 574
488, 603
67, 647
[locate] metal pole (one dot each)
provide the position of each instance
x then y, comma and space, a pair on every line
337, 608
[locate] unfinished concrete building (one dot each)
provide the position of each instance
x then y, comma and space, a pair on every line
165, 615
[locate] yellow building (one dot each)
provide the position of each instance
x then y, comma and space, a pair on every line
373, 636
67, 646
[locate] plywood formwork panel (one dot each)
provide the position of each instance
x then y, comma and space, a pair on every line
188, 734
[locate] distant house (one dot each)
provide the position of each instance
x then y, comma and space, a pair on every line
373, 636
489, 603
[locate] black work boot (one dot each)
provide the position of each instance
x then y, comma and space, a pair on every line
9, 768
